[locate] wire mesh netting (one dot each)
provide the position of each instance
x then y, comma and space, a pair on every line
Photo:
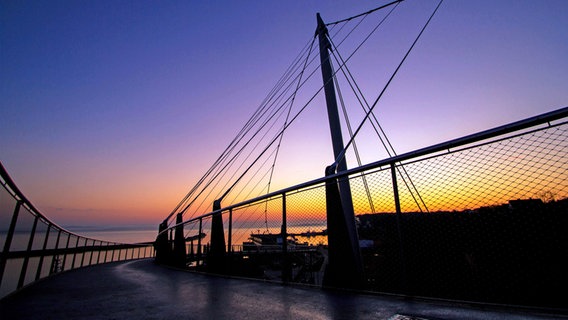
483, 221
492, 226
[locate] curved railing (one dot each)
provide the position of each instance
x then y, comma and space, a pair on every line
34, 247
481, 218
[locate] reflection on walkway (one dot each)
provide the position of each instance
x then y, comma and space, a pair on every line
143, 290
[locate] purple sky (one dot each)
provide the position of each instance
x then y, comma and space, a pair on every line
111, 110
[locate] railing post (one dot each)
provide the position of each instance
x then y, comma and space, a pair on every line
92, 253
286, 271
75, 254
230, 243
398, 227
230, 235
84, 252
40, 264
27, 258
8, 242
65, 254
106, 253
99, 252
199, 242
55, 260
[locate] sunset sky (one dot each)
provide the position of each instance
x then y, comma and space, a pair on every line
111, 110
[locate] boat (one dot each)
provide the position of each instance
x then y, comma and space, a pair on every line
273, 242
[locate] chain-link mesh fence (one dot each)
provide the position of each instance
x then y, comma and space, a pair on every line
485, 223
482, 218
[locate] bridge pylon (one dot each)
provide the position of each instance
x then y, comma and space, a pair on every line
345, 266
217, 252
179, 254
161, 244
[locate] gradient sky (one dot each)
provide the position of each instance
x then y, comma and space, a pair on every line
111, 110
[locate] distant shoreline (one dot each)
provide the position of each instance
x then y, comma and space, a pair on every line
101, 228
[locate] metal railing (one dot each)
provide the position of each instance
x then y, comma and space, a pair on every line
33, 247
481, 218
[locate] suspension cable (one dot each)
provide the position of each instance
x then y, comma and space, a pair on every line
233, 158
278, 137
342, 153
364, 13
355, 149
245, 129
357, 91
266, 113
282, 136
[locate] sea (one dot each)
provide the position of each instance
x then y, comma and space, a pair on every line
121, 234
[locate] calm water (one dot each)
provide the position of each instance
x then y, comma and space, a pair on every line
149, 233
123, 236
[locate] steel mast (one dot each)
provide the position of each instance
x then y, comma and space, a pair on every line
345, 266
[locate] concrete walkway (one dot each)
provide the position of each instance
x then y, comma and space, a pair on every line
143, 290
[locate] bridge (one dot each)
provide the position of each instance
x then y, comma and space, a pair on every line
473, 227
504, 261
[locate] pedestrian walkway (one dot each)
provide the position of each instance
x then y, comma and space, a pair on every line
141, 289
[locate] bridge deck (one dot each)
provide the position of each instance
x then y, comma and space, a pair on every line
143, 290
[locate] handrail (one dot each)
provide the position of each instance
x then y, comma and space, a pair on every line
483, 135
493, 231
21, 266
